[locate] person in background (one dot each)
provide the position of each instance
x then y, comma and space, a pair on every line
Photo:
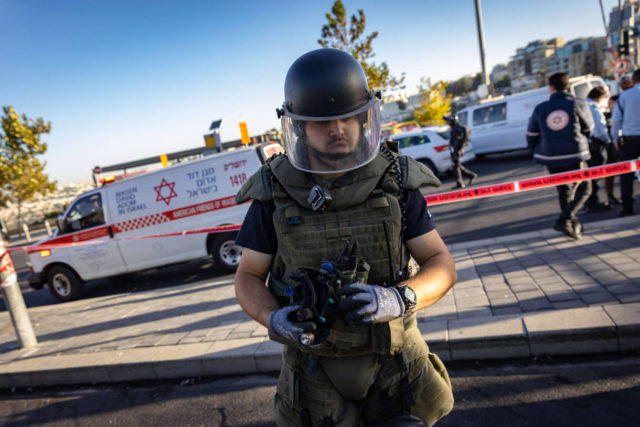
558, 132
625, 132
598, 144
457, 141
612, 154
625, 83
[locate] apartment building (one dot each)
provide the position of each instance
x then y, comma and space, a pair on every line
579, 56
533, 58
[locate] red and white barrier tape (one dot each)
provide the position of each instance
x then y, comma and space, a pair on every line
534, 183
432, 200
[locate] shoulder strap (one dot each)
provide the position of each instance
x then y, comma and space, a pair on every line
259, 186
415, 174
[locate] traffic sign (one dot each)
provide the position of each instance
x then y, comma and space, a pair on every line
244, 133
621, 66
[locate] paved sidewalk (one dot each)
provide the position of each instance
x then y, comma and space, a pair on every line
517, 296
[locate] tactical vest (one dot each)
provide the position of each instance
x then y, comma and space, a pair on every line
366, 207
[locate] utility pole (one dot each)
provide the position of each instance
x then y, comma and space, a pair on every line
485, 77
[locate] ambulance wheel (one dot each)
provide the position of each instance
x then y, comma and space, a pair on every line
64, 283
226, 253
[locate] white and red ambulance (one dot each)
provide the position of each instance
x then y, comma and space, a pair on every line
148, 220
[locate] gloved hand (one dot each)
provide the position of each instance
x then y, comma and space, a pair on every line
365, 304
283, 323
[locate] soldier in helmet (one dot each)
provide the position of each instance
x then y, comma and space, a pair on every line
352, 351
457, 142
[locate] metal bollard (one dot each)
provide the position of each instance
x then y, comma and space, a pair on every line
14, 301
48, 227
3, 226
25, 228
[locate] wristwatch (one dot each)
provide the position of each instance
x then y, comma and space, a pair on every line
408, 297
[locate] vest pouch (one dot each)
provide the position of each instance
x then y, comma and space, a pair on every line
345, 277
388, 338
292, 216
279, 289
362, 272
352, 376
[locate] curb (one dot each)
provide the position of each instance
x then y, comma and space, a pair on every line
576, 331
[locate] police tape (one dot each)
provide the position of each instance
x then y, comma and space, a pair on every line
535, 183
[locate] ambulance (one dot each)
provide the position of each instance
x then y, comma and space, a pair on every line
161, 217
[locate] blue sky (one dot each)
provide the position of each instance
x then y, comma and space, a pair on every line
122, 80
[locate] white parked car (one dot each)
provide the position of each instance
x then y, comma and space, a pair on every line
430, 146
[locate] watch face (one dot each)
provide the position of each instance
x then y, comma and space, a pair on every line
408, 296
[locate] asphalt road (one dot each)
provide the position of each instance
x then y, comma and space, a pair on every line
191, 272
585, 392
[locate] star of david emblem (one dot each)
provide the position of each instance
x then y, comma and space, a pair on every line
557, 120
164, 188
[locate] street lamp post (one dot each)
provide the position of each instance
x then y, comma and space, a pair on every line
483, 61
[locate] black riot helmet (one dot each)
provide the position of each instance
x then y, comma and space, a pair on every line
323, 87
450, 118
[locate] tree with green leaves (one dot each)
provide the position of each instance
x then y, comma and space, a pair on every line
505, 81
435, 103
22, 174
462, 86
349, 38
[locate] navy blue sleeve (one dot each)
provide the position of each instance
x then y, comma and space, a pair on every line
418, 219
533, 129
257, 231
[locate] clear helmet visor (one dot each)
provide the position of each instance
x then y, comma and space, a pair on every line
332, 144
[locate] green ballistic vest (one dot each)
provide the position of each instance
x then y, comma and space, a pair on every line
365, 207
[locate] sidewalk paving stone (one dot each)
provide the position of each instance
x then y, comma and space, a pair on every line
473, 312
598, 297
561, 305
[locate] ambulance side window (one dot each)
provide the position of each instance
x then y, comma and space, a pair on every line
85, 213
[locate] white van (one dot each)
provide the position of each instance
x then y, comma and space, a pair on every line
106, 231
500, 124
